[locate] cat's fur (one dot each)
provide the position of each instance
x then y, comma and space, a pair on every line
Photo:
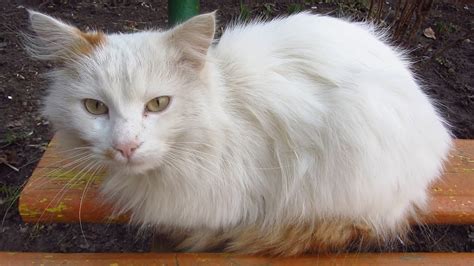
301, 134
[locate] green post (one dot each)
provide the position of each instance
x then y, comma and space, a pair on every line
181, 10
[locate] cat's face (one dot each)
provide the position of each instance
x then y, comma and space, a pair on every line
127, 99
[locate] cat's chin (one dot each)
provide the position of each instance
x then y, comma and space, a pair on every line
132, 167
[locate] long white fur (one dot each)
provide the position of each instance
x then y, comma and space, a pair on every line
295, 120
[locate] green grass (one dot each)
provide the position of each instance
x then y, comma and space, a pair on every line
294, 8
11, 137
244, 12
8, 194
442, 27
269, 9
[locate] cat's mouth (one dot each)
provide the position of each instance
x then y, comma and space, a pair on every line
113, 156
136, 163
133, 166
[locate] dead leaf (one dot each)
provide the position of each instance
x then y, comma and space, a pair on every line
429, 33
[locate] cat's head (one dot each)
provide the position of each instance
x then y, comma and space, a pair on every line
126, 98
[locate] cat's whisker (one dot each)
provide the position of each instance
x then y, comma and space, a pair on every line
193, 153
68, 157
189, 160
78, 178
97, 167
67, 186
203, 161
76, 149
33, 184
62, 164
192, 149
69, 167
59, 163
170, 161
195, 143
60, 194
199, 165
36, 160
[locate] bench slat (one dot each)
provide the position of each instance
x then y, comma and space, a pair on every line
184, 259
43, 201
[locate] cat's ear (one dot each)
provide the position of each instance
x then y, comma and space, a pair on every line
58, 41
194, 37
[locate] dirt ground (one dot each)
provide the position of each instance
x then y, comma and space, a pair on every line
445, 65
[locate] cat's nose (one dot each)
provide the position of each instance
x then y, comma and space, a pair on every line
127, 148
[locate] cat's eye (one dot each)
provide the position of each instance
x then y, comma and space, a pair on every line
95, 107
158, 104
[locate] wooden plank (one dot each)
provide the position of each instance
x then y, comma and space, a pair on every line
42, 199
56, 192
452, 199
183, 259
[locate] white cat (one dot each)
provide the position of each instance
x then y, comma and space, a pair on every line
302, 134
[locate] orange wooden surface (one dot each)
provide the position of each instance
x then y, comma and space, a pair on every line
42, 199
116, 259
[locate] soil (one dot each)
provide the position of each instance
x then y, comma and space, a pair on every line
445, 65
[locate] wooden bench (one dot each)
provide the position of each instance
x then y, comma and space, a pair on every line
43, 200
183, 259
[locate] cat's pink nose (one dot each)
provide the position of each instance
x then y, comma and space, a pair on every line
127, 148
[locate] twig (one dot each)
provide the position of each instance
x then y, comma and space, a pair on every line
2, 160
398, 6
421, 14
370, 8
406, 20
379, 11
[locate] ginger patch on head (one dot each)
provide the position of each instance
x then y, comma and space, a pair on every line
88, 41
